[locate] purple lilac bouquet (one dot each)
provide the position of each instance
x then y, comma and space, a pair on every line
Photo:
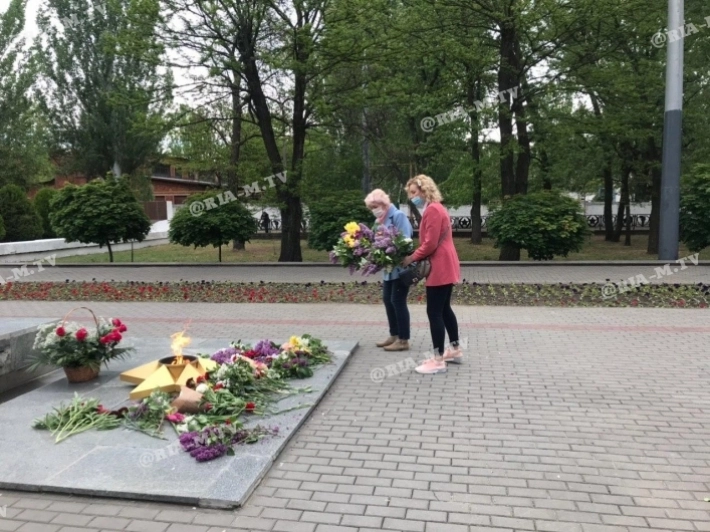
352, 247
389, 247
266, 348
224, 356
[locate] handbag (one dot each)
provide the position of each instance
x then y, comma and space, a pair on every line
419, 270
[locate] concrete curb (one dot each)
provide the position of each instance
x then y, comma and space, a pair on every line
484, 264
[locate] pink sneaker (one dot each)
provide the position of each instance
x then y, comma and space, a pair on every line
431, 367
453, 354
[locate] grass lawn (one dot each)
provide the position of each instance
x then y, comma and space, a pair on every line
268, 251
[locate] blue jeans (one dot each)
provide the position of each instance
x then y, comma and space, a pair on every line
394, 295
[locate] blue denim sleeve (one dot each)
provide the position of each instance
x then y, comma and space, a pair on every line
403, 224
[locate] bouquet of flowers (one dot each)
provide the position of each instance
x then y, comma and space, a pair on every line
352, 247
388, 248
70, 345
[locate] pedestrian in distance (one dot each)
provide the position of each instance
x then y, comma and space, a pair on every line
436, 243
394, 291
265, 221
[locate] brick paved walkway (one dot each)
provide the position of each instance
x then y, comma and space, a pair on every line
303, 274
571, 420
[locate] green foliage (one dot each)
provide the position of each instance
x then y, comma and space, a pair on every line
215, 226
23, 133
141, 185
546, 224
41, 202
21, 219
102, 212
106, 93
694, 209
329, 216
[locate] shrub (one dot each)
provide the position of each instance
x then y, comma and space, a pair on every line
41, 202
546, 224
100, 212
21, 219
215, 226
329, 216
694, 209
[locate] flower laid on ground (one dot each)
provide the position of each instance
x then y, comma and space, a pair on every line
70, 345
81, 415
241, 384
148, 415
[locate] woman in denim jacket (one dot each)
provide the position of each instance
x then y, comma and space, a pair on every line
395, 292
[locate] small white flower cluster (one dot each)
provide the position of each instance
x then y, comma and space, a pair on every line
221, 372
47, 335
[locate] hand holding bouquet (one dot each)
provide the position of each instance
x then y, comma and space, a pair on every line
388, 250
353, 245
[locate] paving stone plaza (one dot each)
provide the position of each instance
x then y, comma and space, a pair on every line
560, 419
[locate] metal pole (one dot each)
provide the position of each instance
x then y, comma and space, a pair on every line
672, 134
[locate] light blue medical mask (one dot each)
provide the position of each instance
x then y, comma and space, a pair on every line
417, 201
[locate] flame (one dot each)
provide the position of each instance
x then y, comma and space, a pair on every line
178, 342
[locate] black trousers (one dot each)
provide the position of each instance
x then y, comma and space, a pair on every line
394, 295
442, 319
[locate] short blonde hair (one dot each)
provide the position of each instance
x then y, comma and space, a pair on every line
378, 196
426, 184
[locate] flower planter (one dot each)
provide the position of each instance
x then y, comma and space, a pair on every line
82, 374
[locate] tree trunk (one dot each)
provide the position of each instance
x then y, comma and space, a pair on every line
474, 93
627, 240
235, 141
608, 178
506, 80
608, 201
292, 214
522, 169
110, 252
624, 200
220, 253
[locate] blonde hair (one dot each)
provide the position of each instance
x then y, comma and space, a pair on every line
426, 184
378, 196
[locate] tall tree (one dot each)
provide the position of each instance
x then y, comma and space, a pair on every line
24, 143
103, 84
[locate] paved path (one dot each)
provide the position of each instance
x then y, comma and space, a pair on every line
543, 274
561, 420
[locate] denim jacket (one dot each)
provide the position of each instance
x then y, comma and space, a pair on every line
397, 218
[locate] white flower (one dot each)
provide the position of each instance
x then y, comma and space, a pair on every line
202, 388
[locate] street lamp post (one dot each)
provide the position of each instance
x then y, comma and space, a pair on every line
672, 135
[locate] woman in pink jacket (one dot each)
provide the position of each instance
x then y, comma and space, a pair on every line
436, 243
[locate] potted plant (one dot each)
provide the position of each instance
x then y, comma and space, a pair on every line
79, 351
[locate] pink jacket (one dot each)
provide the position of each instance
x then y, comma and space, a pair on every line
445, 266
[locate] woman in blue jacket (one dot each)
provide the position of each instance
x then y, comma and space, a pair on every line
395, 292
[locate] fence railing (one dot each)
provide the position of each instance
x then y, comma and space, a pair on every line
463, 223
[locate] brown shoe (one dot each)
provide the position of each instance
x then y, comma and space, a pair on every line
399, 345
390, 340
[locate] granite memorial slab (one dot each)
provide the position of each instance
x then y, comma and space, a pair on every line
126, 464
17, 335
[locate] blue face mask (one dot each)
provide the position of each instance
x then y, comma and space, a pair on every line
418, 201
